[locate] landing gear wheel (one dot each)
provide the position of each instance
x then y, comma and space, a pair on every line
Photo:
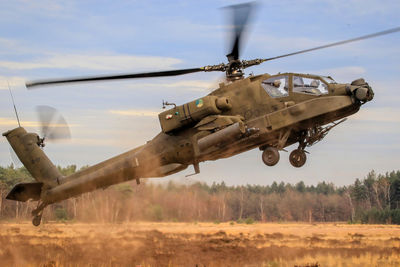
270, 156
36, 220
297, 158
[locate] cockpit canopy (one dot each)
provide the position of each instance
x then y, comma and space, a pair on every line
280, 85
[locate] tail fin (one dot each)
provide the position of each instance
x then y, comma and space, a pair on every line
26, 146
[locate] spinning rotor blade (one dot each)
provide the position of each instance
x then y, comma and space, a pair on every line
393, 30
53, 125
45, 115
240, 18
29, 85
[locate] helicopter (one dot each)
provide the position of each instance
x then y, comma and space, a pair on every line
267, 111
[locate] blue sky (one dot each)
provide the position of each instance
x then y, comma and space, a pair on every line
48, 39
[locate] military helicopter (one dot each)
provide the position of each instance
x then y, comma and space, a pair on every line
269, 112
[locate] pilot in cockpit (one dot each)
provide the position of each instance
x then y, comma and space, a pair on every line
277, 83
314, 83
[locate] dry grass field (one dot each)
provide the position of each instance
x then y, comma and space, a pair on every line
199, 244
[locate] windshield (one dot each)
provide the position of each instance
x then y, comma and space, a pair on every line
276, 86
312, 86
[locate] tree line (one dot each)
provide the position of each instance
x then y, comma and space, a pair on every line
373, 199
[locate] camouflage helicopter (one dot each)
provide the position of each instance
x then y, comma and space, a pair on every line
269, 112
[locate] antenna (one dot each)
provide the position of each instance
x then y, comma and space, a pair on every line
12, 99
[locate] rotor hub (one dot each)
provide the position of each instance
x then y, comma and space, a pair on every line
234, 70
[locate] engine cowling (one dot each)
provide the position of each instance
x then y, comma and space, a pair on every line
192, 112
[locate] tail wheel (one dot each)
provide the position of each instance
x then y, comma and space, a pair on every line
270, 156
297, 158
37, 213
36, 220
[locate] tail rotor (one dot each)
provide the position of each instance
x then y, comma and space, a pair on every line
53, 126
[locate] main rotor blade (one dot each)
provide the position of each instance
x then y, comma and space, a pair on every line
240, 18
393, 30
29, 85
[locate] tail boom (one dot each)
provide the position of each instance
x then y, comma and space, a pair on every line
26, 146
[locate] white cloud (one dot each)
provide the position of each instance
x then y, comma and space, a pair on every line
341, 8
48, 8
362, 7
92, 142
13, 122
93, 62
343, 74
12, 81
285, 43
10, 47
192, 85
135, 112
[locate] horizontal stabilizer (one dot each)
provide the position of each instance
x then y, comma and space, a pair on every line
25, 191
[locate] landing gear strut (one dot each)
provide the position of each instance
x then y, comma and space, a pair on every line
309, 137
270, 156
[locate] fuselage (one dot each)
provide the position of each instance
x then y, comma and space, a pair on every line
254, 112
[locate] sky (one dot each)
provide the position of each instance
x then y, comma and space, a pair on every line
52, 39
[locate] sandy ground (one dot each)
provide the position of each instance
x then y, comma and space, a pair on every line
199, 244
